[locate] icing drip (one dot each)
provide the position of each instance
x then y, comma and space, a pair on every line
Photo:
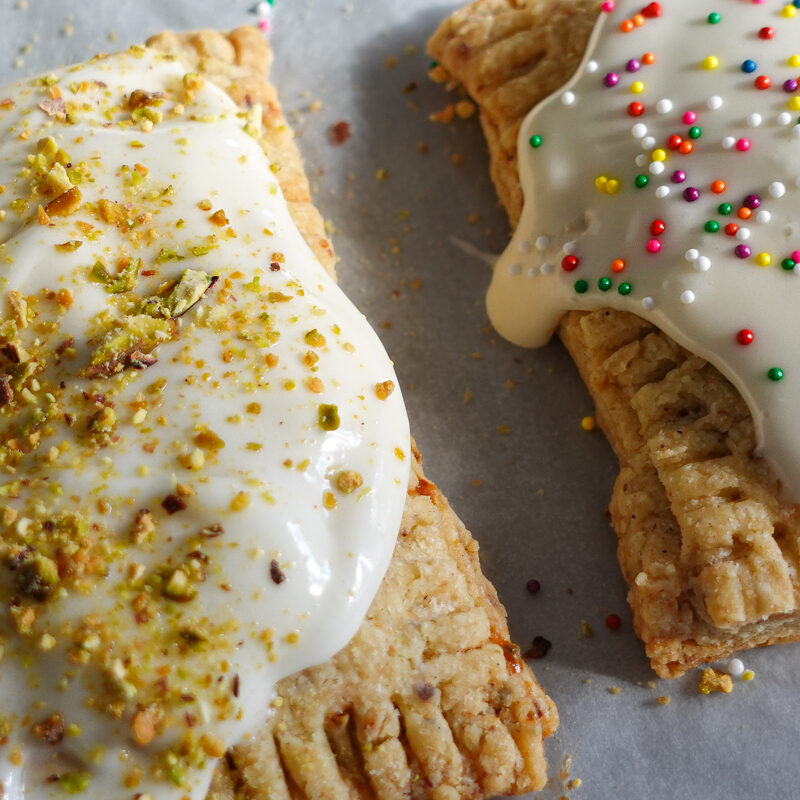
667, 184
204, 459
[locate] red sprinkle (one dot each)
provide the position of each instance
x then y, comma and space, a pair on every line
766, 32
652, 10
613, 621
533, 586
635, 109
745, 336
657, 227
674, 141
569, 263
731, 228
762, 82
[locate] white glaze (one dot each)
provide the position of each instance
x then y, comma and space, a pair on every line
333, 558
703, 302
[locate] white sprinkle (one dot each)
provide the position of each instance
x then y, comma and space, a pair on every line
796, 131
568, 98
263, 9
532, 272
664, 106
648, 142
743, 234
691, 255
515, 268
525, 246
639, 130
591, 66
784, 118
640, 160
569, 247
687, 297
796, 269
735, 667
728, 142
648, 303
754, 120
776, 189
703, 264
546, 268
657, 167
763, 216
542, 242
714, 102
662, 192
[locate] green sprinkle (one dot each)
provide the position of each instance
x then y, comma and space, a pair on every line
535, 140
787, 263
724, 208
775, 374
625, 288
433, 65
581, 286
328, 417
712, 226
641, 181
713, 18
604, 284
695, 132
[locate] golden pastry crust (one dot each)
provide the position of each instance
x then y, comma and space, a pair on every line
710, 551
430, 699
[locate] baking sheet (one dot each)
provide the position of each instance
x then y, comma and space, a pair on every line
410, 229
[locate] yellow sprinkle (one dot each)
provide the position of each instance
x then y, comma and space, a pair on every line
794, 103
710, 62
600, 182
612, 186
763, 259
659, 155
637, 87
793, 61
588, 423
748, 675
789, 11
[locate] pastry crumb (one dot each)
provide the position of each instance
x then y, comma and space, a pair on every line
713, 680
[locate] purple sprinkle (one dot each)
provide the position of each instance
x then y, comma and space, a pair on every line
612, 79
742, 251
790, 85
690, 194
679, 176
752, 201
634, 65
533, 586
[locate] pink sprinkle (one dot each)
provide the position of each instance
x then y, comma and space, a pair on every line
796, 256
265, 25
653, 246
744, 144
608, 6
689, 117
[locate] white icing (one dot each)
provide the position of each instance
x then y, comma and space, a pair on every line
278, 466
744, 141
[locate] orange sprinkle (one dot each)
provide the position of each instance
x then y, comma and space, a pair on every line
626, 26
638, 20
617, 265
686, 147
718, 187
744, 213
648, 58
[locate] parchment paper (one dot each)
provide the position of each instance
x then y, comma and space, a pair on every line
514, 460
